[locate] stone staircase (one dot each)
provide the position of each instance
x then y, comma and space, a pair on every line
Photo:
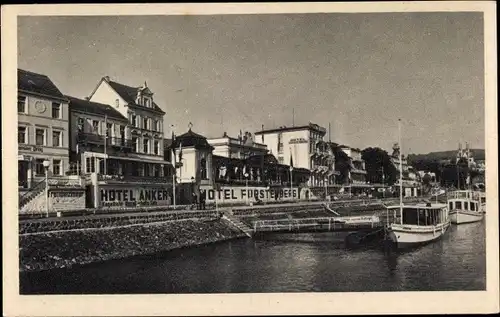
233, 220
33, 193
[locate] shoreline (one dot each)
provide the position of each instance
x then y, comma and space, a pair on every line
68, 249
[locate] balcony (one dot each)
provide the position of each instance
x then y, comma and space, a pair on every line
134, 179
97, 139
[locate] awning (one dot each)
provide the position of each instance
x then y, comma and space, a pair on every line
140, 160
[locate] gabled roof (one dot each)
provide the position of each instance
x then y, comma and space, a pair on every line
99, 109
38, 84
129, 94
190, 138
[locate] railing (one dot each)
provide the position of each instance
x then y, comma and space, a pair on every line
136, 179
31, 193
99, 139
65, 181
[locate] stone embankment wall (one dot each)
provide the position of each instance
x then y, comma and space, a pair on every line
63, 249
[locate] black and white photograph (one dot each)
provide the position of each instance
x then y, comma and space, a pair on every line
203, 152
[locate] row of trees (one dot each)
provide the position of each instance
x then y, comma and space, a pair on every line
380, 168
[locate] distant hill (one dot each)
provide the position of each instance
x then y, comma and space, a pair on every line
444, 155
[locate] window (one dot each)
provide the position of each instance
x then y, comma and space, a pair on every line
281, 160
39, 169
154, 126
458, 205
56, 110
156, 148
95, 126
473, 206
40, 136
135, 144
109, 129
466, 205
90, 165
56, 138
21, 135
147, 102
56, 167
133, 120
145, 146
122, 134
21, 104
81, 125
145, 123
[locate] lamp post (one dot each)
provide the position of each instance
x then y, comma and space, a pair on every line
246, 186
192, 189
46, 165
326, 188
291, 181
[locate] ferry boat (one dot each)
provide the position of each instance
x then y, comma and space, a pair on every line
415, 225
465, 206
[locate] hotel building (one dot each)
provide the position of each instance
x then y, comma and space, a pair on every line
358, 171
305, 145
42, 131
133, 125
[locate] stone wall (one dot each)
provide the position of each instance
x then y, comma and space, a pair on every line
108, 221
62, 249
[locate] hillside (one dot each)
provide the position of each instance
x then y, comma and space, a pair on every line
443, 155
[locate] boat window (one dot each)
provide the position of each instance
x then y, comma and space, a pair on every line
473, 206
422, 217
410, 216
438, 216
483, 200
451, 205
466, 205
458, 205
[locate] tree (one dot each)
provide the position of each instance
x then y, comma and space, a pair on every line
342, 164
378, 161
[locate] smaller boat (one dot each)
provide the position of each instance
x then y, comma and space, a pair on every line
415, 225
465, 207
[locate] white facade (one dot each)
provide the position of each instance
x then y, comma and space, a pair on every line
301, 145
239, 148
146, 122
42, 131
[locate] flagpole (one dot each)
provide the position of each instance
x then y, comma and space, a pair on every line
175, 169
105, 144
400, 170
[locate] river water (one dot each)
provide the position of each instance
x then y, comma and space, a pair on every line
315, 262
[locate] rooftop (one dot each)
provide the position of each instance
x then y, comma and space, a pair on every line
191, 139
129, 94
310, 126
37, 84
100, 109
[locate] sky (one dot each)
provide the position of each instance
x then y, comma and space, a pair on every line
360, 72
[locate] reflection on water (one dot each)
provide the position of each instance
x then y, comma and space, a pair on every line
282, 263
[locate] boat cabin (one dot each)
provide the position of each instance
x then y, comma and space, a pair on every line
419, 215
463, 204
465, 194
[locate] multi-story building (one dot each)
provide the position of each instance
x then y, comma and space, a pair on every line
411, 180
358, 171
42, 131
304, 145
241, 147
144, 132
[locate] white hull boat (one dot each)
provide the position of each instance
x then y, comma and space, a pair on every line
458, 217
466, 207
415, 225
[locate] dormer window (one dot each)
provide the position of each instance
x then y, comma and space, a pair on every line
147, 102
